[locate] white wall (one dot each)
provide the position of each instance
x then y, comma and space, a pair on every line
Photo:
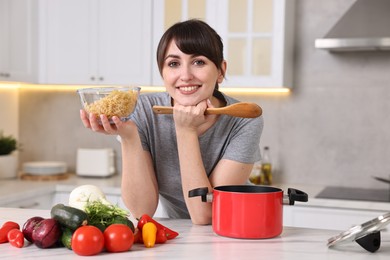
9, 108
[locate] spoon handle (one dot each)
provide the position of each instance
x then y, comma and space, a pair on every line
169, 110
244, 110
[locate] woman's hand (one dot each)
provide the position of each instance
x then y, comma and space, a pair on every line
192, 117
104, 126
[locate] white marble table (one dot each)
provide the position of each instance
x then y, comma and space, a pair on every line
199, 242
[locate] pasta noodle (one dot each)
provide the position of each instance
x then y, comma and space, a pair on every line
117, 103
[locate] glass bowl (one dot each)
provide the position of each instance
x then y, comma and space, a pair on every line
110, 101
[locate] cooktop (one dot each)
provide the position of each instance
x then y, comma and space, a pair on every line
347, 193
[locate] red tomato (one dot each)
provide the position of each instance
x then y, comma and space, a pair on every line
118, 238
87, 240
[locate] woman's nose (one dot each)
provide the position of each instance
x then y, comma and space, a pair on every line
186, 73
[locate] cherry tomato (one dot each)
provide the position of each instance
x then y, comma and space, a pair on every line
87, 240
118, 238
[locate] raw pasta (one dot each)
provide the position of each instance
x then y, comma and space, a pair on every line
117, 103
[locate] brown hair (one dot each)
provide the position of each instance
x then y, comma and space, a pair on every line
192, 37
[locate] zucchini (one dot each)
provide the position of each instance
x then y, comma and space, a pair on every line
123, 220
69, 217
66, 238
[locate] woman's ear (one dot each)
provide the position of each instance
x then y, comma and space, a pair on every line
222, 71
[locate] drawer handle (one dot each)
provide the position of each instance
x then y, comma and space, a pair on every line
29, 206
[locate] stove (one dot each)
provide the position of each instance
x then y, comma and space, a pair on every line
348, 193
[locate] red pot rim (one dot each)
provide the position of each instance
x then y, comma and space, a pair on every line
247, 189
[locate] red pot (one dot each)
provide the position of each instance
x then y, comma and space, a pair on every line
248, 211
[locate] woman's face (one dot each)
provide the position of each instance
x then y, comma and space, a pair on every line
189, 79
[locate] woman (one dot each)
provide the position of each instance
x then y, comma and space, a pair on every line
169, 155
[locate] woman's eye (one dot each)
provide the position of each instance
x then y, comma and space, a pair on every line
173, 64
199, 62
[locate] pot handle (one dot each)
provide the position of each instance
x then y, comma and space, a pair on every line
296, 195
199, 192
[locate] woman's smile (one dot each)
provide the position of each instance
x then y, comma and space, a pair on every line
188, 89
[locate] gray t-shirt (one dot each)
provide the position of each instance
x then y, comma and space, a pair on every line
230, 138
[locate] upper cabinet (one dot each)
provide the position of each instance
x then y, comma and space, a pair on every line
257, 36
258, 42
96, 42
105, 42
17, 40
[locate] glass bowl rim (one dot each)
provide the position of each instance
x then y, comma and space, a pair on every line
96, 90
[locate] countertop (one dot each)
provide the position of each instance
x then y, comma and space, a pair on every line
200, 242
16, 189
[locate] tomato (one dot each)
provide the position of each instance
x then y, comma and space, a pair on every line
87, 240
118, 238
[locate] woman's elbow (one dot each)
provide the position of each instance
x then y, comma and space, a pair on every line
201, 220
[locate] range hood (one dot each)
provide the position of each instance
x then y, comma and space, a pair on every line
364, 27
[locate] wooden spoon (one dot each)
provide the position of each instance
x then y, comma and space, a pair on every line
241, 109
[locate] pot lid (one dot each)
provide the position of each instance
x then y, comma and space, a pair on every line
366, 235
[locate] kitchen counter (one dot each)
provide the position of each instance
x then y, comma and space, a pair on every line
16, 189
200, 242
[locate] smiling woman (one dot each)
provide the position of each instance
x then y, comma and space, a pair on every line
168, 155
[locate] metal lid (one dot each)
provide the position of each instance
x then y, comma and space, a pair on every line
360, 231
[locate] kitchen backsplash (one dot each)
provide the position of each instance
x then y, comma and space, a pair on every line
333, 129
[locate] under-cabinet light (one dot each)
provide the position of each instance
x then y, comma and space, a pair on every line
227, 90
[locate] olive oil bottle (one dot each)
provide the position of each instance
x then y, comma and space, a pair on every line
256, 173
266, 167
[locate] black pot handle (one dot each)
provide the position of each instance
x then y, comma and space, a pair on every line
296, 195
199, 192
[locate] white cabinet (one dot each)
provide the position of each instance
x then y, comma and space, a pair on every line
258, 42
326, 218
97, 42
257, 36
18, 43
116, 199
44, 201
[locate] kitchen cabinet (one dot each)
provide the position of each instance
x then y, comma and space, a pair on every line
18, 43
98, 42
259, 48
257, 36
327, 218
44, 201
114, 198
63, 197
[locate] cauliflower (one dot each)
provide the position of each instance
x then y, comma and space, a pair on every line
82, 195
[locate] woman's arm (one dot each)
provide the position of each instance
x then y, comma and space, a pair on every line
193, 175
188, 122
139, 184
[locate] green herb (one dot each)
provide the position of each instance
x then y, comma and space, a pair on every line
8, 144
102, 215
